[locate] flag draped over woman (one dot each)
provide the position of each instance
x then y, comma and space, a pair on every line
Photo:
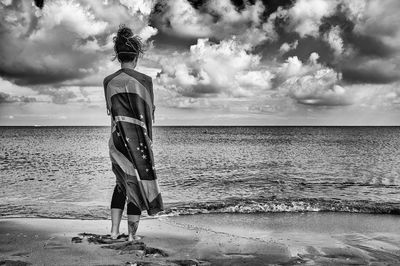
130, 101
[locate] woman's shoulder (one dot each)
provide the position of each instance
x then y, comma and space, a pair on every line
110, 77
144, 79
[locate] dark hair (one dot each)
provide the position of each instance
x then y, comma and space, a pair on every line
127, 47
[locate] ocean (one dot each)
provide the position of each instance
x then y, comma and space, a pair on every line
65, 172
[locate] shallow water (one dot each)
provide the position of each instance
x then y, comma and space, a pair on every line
66, 172
306, 238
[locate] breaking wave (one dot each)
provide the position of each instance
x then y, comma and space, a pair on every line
285, 205
227, 206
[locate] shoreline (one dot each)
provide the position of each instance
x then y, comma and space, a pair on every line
209, 239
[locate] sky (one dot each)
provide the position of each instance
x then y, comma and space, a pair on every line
213, 62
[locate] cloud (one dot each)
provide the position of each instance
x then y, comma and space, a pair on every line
333, 38
211, 69
305, 16
7, 98
71, 16
39, 50
312, 83
66, 40
286, 47
216, 19
380, 20
180, 18
374, 54
292, 67
141, 7
372, 70
59, 96
11, 93
318, 89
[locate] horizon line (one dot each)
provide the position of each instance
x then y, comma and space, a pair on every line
289, 125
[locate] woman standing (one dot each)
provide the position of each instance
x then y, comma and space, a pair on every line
130, 102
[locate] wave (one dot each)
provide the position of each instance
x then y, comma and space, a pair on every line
284, 205
246, 206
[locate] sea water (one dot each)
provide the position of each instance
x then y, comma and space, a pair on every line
65, 172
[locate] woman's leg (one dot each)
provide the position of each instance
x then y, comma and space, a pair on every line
117, 207
133, 220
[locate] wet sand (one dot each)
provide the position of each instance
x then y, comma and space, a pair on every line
210, 239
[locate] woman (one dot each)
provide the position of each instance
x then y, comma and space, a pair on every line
130, 102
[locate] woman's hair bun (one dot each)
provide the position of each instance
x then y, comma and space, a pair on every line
127, 46
124, 32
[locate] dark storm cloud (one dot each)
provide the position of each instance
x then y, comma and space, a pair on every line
271, 5
29, 75
163, 40
370, 62
39, 3
377, 73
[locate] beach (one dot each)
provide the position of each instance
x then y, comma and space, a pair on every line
208, 239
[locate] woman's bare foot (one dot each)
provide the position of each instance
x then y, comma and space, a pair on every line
114, 235
134, 238
133, 224
116, 215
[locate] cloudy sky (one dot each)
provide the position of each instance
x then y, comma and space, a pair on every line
213, 62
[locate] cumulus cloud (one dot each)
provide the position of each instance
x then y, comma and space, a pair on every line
217, 19
312, 83
140, 7
305, 16
66, 40
292, 67
179, 17
286, 47
210, 69
333, 38
319, 89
